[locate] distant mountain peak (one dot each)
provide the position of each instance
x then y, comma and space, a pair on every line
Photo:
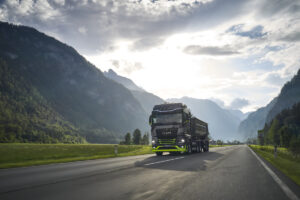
126, 82
112, 72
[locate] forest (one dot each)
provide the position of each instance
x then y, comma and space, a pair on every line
284, 130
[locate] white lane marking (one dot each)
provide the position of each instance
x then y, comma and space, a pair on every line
162, 161
283, 186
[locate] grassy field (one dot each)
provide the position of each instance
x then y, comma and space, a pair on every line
19, 155
285, 161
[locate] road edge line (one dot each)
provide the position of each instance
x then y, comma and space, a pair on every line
289, 193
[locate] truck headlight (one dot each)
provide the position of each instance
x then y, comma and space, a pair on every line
182, 140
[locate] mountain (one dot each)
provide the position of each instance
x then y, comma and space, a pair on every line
255, 121
126, 82
288, 96
71, 86
222, 123
239, 114
146, 99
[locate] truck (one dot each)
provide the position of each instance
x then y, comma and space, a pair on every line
175, 130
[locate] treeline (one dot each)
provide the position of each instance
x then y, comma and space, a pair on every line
136, 138
283, 131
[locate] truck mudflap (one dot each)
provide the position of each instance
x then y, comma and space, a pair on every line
169, 148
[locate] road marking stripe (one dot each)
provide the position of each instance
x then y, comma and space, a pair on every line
162, 161
283, 186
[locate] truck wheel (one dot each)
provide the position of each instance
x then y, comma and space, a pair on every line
159, 153
190, 149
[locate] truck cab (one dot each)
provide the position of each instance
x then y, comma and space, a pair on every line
173, 129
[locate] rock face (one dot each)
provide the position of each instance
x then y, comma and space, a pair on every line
222, 123
71, 86
289, 96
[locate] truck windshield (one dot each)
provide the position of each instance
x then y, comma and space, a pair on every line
168, 118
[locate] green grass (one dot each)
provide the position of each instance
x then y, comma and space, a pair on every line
24, 154
285, 161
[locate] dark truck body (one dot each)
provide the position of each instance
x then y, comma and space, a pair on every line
173, 129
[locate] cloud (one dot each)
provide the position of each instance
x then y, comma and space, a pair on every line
146, 43
132, 67
111, 21
212, 50
292, 37
255, 32
275, 79
115, 63
239, 103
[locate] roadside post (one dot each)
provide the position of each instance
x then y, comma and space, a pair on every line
275, 151
116, 150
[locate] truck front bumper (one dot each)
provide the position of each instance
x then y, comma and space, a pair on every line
172, 148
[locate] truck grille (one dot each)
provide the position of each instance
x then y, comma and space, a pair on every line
166, 133
167, 141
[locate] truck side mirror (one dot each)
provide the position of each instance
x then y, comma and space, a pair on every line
150, 120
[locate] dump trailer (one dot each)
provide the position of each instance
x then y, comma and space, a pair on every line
175, 130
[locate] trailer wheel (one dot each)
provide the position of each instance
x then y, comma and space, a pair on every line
159, 153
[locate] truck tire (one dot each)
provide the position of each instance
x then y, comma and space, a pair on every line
159, 153
190, 151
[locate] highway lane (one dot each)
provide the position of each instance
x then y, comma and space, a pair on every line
223, 173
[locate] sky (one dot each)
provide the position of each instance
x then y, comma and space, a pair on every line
238, 53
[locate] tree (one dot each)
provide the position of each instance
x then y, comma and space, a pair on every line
273, 133
127, 139
295, 146
145, 140
137, 136
219, 142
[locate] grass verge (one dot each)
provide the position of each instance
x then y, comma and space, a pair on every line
24, 154
285, 161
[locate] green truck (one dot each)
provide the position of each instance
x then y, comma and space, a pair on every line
175, 130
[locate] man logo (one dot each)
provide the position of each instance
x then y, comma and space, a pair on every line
167, 133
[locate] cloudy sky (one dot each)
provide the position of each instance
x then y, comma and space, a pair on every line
236, 52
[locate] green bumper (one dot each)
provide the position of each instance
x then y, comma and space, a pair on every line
169, 149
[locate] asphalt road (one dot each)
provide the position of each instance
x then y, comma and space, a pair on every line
223, 173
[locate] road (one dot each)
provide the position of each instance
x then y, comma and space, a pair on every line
223, 173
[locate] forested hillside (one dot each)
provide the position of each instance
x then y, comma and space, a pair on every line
26, 116
284, 129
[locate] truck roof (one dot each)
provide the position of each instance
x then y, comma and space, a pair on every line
168, 107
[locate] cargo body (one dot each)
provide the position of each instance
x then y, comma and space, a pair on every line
174, 130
